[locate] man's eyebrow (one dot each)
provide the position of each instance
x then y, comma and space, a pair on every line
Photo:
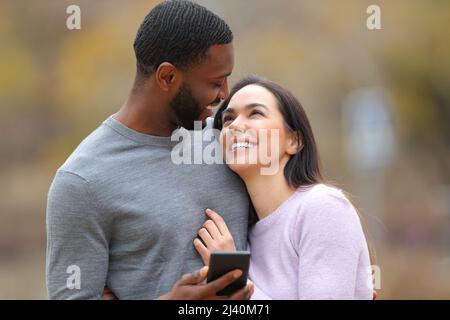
247, 107
223, 76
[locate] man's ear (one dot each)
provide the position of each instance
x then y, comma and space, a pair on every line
167, 76
294, 143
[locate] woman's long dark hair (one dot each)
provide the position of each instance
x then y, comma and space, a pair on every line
303, 168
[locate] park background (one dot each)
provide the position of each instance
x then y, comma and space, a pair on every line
378, 100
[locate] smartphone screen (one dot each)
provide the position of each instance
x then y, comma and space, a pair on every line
222, 262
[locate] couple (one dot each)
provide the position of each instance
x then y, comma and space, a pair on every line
122, 215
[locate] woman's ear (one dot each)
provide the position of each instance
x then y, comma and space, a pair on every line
294, 143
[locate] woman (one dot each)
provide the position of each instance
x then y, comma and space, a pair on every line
307, 242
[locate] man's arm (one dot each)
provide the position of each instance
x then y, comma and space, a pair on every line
77, 240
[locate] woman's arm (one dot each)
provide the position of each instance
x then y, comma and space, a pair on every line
330, 248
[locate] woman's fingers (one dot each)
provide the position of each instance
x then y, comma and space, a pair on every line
225, 241
213, 237
206, 237
202, 250
218, 220
212, 229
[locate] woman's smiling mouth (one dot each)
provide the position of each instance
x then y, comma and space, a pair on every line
242, 145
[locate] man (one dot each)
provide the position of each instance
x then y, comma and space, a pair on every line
120, 213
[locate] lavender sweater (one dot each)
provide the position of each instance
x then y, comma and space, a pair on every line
311, 247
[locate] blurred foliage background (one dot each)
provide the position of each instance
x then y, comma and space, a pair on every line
57, 85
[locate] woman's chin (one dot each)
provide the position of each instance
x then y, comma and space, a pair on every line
243, 168
242, 161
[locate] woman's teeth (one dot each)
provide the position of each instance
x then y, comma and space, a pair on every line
240, 145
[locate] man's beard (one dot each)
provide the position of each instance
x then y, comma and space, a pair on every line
186, 108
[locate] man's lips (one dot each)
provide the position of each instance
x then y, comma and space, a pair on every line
206, 113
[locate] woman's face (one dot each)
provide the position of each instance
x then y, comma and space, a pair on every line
254, 134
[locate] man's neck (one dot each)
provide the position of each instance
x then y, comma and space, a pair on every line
145, 113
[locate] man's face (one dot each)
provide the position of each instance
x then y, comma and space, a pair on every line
204, 87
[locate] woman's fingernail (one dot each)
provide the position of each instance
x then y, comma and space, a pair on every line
237, 274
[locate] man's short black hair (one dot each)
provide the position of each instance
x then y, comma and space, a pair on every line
179, 32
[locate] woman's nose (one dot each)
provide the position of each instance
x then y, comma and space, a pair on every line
237, 125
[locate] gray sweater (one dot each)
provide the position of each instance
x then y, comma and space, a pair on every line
120, 213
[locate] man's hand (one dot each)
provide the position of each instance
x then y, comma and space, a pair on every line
108, 295
215, 236
190, 287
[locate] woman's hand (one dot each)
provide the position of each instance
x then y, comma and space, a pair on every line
215, 236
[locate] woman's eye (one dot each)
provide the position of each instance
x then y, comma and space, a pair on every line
226, 119
255, 112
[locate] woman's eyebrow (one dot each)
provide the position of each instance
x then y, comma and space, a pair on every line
228, 110
247, 107
254, 105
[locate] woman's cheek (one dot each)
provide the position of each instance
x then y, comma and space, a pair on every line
222, 140
275, 142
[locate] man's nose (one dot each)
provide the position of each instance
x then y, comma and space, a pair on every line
223, 94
